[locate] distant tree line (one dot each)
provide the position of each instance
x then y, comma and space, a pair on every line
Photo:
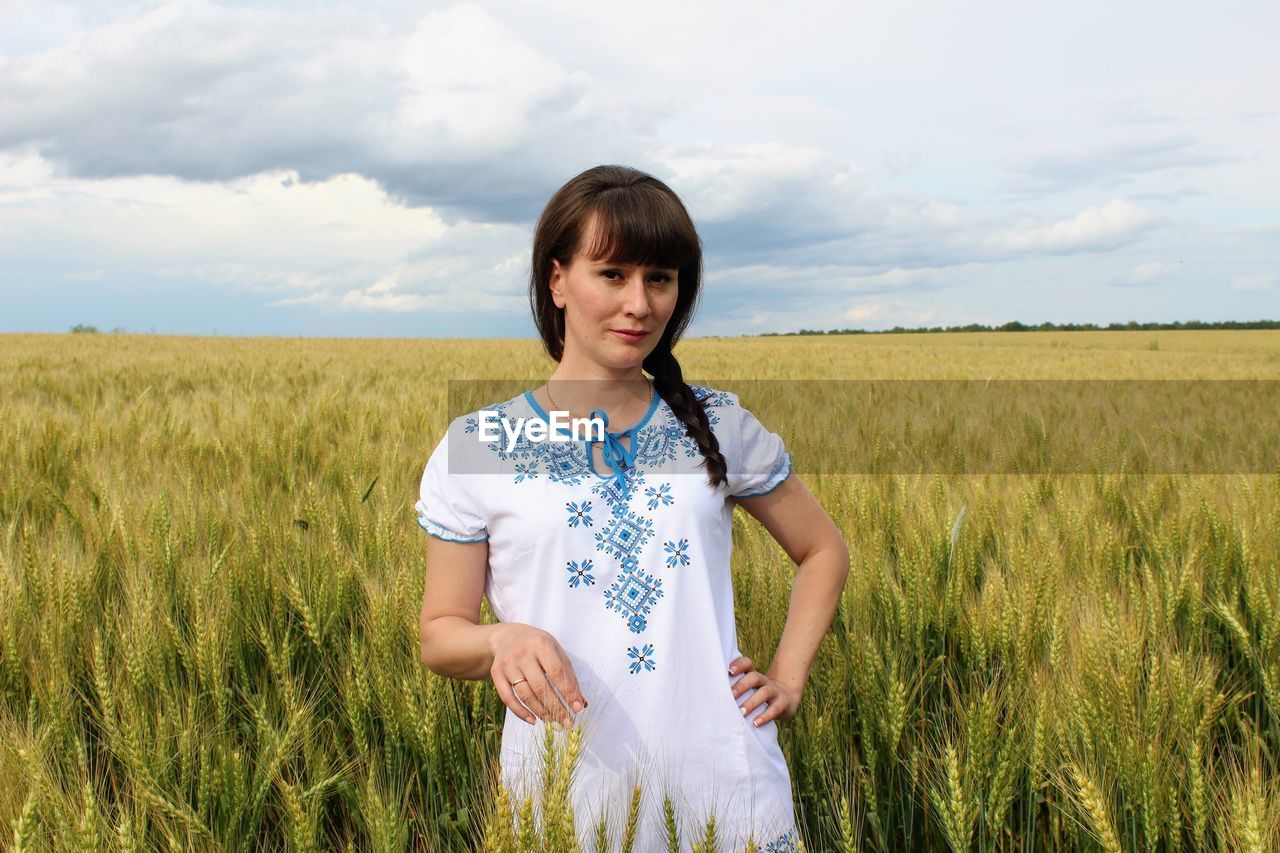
88, 329
1015, 326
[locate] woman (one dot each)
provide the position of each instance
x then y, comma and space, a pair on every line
607, 559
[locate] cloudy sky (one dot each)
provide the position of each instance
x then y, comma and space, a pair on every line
376, 168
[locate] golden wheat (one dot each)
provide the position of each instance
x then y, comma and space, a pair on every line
209, 584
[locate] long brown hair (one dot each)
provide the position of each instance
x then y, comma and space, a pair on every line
639, 220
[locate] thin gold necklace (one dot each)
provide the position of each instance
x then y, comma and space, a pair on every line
556, 406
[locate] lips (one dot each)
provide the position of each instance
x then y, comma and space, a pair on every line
630, 334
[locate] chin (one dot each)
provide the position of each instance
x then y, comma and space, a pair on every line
628, 360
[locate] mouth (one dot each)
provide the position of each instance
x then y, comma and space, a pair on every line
630, 335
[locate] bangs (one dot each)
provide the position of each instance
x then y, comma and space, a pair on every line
640, 227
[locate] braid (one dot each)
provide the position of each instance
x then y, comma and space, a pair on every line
668, 381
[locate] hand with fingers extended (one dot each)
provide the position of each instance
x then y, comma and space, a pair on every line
529, 665
783, 700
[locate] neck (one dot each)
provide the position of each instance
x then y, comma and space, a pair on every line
581, 391
571, 368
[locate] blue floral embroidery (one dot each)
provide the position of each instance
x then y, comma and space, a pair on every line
641, 658
691, 449
711, 400
654, 443
624, 535
579, 513
522, 448
617, 496
678, 555
710, 397
633, 594
787, 842
580, 573
658, 444
566, 462
660, 495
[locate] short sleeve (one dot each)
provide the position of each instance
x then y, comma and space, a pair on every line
446, 508
760, 462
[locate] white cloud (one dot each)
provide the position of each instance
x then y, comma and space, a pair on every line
1150, 273
267, 218
309, 299
471, 87
386, 284
866, 311
898, 276
373, 299
389, 157
1152, 270
1099, 227
458, 111
269, 232
1253, 282
84, 275
885, 314
244, 275
726, 183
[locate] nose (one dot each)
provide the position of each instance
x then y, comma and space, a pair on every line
636, 299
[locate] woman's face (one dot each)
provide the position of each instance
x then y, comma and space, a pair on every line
602, 299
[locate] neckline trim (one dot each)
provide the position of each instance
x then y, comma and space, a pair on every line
653, 407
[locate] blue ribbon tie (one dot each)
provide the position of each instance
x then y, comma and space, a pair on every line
616, 455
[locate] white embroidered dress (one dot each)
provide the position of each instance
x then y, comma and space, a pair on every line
629, 571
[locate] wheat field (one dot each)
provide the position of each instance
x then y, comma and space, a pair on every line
210, 577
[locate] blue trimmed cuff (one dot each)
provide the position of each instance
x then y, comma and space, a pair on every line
774, 480
444, 533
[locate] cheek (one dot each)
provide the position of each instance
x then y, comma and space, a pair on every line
667, 305
594, 303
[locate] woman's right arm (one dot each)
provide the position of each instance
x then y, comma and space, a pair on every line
454, 643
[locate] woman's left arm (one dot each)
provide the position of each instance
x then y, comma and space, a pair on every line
800, 524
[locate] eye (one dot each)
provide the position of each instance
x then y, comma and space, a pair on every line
660, 278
